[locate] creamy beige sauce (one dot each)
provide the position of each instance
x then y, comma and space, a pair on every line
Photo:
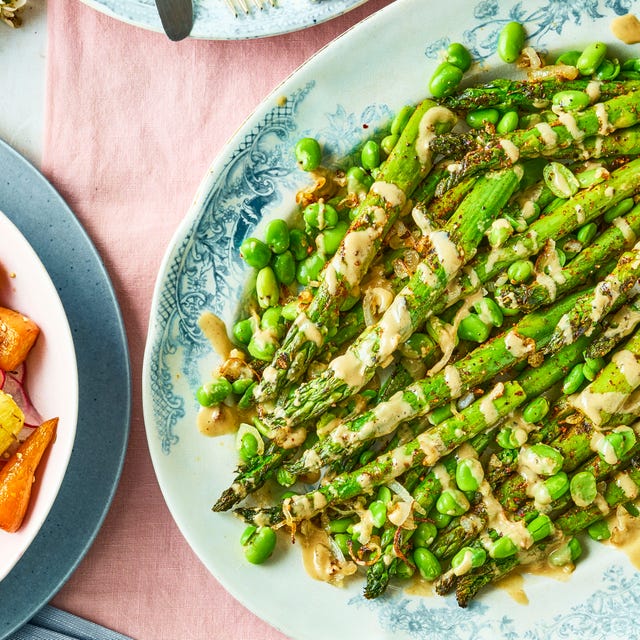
453, 381
215, 331
542, 567
626, 28
552, 263
549, 284
500, 521
331, 277
497, 225
487, 407
318, 558
390, 192
442, 475
447, 252
593, 90
517, 345
308, 329
547, 134
447, 333
625, 534
513, 585
603, 119
569, 122
303, 507
628, 486
423, 222
220, 420
427, 131
349, 260
624, 322
382, 420
596, 406
395, 327
427, 275
432, 447
560, 182
604, 295
528, 209
420, 587
530, 461
625, 229
629, 367
350, 368
512, 152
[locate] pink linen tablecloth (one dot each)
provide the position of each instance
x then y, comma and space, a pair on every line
132, 123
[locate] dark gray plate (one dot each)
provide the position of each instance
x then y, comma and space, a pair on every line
104, 379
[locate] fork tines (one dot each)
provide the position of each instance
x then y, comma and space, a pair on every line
244, 7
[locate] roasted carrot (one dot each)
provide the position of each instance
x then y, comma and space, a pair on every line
18, 334
18, 475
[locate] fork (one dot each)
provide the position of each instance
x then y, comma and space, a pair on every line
244, 6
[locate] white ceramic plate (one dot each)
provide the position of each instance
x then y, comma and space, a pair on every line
52, 376
340, 96
214, 20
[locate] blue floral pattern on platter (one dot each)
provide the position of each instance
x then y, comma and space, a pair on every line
492, 15
214, 20
605, 615
255, 179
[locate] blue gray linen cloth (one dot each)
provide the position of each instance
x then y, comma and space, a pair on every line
54, 624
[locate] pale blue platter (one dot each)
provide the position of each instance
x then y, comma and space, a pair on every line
214, 20
104, 379
340, 96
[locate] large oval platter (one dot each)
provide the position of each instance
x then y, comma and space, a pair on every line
340, 96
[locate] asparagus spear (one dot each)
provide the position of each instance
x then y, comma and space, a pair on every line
570, 523
464, 147
593, 306
553, 281
606, 395
402, 171
260, 468
621, 325
481, 365
521, 94
426, 449
451, 247
492, 151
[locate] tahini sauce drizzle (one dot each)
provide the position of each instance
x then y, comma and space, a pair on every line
215, 331
625, 534
221, 419
317, 557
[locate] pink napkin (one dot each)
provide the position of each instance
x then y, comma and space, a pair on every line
132, 123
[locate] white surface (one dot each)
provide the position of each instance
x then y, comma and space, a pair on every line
22, 85
52, 381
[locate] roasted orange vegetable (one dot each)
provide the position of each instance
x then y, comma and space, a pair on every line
17, 335
18, 475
